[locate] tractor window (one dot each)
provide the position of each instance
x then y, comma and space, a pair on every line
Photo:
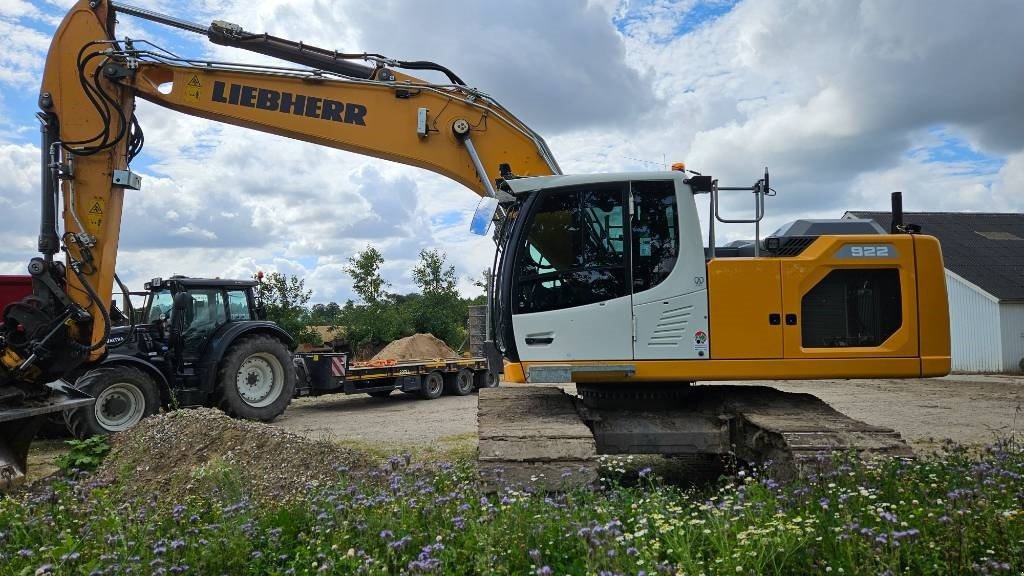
238, 305
655, 230
159, 303
574, 251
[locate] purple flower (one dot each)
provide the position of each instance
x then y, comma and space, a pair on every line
644, 472
545, 571
535, 555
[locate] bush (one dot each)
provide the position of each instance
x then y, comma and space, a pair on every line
85, 455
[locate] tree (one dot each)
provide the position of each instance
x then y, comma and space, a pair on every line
325, 314
285, 299
431, 275
364, 268
439, 311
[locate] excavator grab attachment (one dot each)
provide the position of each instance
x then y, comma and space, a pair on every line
19, 423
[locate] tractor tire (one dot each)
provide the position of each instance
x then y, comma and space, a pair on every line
256, 379
380, 393
460, 383
432, 386
124, 396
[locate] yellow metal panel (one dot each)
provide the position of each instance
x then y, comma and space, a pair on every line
933, 307
802, 273
742, 293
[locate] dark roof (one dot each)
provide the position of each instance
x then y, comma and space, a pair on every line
984, 249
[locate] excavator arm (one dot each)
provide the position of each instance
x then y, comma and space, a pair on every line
90, 135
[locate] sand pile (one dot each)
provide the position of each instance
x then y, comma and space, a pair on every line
416, 347
201, 450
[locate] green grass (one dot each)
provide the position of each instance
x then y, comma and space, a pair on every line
953, 513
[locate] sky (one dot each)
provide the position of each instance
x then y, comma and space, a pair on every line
844, 101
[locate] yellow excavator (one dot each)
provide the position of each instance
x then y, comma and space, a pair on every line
601, 280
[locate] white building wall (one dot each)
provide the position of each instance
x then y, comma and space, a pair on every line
1011, 321
973, 327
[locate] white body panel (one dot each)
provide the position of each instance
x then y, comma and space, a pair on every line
667, 329
600, 331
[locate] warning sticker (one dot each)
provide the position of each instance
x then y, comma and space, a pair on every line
94, 219
700, 343
193, 90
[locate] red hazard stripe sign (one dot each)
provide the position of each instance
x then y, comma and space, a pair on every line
338, 366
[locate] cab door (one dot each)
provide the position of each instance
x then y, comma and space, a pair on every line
669, 284
571, 295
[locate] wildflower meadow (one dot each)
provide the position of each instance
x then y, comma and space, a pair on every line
952, 513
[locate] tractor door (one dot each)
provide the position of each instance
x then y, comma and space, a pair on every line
571, 296
206, 314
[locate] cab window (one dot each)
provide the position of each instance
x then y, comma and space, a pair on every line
238, 305
574, 251
655, 229
160, 303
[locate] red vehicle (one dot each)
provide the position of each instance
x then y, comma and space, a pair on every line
12, 289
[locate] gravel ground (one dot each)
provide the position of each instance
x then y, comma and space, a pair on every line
970, 409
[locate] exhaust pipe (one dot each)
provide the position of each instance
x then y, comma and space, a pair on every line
897, 214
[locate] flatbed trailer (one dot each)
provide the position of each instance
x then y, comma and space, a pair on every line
320, 373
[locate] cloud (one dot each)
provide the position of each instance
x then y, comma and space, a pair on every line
845, 101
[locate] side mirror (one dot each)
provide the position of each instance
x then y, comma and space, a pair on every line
181, 302
483, 216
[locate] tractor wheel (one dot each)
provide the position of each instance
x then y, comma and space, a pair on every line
460, 383
124, 396
380, 393
256, 381
432, 386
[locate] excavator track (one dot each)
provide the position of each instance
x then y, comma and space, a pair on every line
549, 439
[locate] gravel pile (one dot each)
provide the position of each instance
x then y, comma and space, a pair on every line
416, 347
199, 450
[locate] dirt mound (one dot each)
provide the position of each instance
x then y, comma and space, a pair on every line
416, 347
202, 450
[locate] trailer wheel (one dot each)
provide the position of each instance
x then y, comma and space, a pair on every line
380, 393
485, 379
460, 383
256, 380
124, 396
432, 385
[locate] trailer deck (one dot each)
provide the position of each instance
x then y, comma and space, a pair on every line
333, 373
